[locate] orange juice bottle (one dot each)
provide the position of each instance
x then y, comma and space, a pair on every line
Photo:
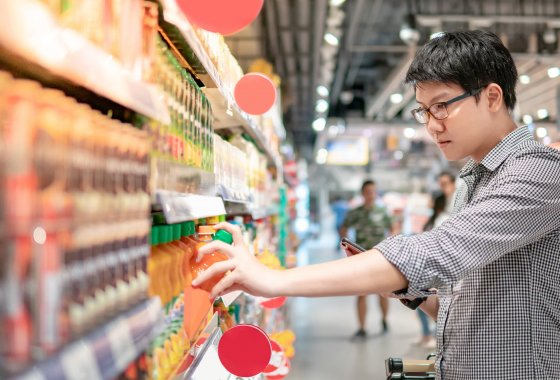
177, 247
205, 236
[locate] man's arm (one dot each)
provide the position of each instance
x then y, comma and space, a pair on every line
368, 272
431, 307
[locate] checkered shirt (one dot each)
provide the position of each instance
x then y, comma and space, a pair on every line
496, 265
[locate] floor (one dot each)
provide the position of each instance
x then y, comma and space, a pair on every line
323, 328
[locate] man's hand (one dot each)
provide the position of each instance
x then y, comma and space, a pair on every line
246, 273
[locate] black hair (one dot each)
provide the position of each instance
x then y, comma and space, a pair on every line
471, 59
439, 201
447, 174
367, 183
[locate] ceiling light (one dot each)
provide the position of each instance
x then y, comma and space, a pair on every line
396, 98
409, 133
409, 34
527, 119
323, 91
322, 106
541, 132
398, 155
333, 130
331, 39
542, 113
322, 155
319, 124
553, 72
524, 79
336, 3
546, 140
346, 97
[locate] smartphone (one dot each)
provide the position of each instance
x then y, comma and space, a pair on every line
351, 247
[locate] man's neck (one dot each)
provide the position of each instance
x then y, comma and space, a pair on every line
495, 138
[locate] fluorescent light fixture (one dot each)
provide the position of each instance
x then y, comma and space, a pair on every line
321, 106
319, 124
541, 132
524, 79
527, 119
553, 72
542, 113
331, 39
409, 133
336, 3
322, 91
396, 98
322, 155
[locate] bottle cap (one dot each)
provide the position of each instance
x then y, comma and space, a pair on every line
176, 231
213, 220
224, 236
206, 230
154, 235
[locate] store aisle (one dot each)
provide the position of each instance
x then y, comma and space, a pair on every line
323, 327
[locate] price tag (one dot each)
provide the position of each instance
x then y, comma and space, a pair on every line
78, 363
122, 345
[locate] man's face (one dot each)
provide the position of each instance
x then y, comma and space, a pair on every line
446, 185
464, 132
369, 193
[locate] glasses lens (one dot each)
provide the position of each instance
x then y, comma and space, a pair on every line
439, 111
421, 115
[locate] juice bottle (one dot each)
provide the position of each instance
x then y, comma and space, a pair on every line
204, 236
177, 247
154, 267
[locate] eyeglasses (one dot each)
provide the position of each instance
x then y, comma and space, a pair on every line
439, 110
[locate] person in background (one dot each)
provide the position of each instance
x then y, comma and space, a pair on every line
442, 208
427, 340
446, 182
372, 224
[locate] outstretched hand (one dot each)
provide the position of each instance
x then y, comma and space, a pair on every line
243, 271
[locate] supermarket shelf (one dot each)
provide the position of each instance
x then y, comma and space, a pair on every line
230, 298
107, 351
29, 30
226, 112
181, 207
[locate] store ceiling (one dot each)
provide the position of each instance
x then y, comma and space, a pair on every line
368, 65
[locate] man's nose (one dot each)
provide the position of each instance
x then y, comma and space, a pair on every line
434, 126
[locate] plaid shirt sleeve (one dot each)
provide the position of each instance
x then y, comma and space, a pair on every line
521, 206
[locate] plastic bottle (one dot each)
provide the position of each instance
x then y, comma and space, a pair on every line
197, 268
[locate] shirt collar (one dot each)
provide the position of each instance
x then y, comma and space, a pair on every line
500, 152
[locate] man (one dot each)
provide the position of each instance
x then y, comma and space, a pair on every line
372, 224
495, 261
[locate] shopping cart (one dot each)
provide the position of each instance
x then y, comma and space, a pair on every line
406, 369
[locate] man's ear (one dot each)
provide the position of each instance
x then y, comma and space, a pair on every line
495, 97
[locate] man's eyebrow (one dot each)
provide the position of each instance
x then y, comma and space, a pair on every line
435, 99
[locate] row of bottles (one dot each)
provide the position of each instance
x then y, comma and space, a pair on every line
172, 266
73, 211
126, 29
188, 140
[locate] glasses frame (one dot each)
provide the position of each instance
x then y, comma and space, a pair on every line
464, 95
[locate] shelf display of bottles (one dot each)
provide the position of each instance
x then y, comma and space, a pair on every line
74, 229
188, 140
126, 29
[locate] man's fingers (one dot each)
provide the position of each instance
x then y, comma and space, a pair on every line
214, 246
224, 285
235, 232
215, 269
